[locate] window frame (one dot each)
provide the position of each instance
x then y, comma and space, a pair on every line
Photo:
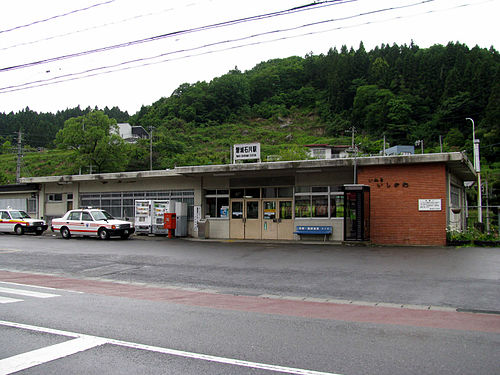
310, 193
217, 195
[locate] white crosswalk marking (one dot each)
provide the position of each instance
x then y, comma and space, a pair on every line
82, 342
9, 300
47, 354
22, 292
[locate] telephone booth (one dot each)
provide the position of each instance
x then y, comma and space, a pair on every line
356, 212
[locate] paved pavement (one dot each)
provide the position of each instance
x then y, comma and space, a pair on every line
153, 305
466, 279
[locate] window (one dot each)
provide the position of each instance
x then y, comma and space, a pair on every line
217, 203
56, 197
237, 210
252, 209
455, 196
337, 205
74, 215
122, 204
32, 205
19, 215
269, 192
319, 205
318, 202
269, 210
302, 206
5, 215
86, 217
319, 153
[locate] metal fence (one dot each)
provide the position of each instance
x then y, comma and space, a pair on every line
490, 217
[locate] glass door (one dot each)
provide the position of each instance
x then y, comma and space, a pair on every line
236, 219
269, 220
252, 219
285, 220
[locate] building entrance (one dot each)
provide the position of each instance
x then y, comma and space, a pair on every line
277, 219
262, 215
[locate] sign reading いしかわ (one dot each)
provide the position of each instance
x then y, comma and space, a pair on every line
246, 151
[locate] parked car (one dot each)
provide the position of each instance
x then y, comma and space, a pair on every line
19, 222
91, 222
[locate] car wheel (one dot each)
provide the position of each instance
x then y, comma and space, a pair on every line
65, 233
39, 232
103, 234
124, 236
19, 230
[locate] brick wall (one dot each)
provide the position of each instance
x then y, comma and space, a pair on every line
394, 194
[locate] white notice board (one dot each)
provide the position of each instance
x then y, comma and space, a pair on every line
429, 204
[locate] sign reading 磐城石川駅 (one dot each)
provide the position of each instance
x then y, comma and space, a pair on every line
246, 151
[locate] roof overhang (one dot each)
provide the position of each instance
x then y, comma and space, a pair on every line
101, 177
456, 162
19, 188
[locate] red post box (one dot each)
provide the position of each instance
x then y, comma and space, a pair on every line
169, 222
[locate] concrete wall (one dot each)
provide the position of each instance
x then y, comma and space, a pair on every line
394, 194
218, 228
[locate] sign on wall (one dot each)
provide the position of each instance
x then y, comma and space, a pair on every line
197, 217
429, 204
246, 151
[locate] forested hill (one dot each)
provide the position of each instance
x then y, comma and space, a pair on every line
405, 92
40, 129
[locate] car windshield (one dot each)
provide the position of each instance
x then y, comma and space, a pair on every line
101, 215
19, 215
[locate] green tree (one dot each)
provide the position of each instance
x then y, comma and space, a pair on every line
293, 152
454, 140
6, 147
94, 137
4, 180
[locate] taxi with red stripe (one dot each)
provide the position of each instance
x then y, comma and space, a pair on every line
19, 222
91, 222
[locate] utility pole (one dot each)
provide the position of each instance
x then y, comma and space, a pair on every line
150, 148
19, 156
477, 167
355, 151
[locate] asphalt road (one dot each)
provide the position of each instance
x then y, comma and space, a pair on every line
184, 307
466, 278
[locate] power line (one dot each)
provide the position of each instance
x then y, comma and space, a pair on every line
124, 20
122, 66
57, 16
301, 8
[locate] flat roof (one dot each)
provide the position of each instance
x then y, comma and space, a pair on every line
457, 162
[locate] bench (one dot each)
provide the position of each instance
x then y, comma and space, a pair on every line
314, 229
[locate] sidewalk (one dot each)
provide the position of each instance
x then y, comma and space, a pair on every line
442, 318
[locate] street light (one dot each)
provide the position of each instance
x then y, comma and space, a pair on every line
477, 168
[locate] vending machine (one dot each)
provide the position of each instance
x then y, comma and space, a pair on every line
159, 208
142, 216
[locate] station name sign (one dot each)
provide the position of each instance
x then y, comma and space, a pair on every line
246, 151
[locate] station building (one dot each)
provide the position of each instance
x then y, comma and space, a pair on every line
386, 200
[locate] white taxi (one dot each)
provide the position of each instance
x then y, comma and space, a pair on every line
91, 222
19, 222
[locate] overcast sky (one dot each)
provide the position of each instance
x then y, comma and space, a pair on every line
161, 65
